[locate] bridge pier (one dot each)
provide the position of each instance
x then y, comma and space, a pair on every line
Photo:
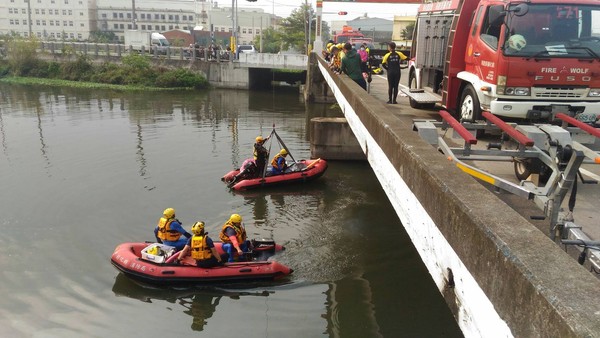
316, 89
331, 138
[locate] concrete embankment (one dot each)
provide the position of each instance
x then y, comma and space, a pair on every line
500, 275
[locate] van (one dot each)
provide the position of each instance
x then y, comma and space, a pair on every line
247, 49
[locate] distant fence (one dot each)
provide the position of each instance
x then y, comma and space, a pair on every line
119, 50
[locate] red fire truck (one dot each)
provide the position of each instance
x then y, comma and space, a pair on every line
348, 34
516, 59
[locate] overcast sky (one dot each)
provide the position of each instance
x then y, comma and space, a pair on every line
283, 8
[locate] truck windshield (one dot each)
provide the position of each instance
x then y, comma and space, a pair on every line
554, 30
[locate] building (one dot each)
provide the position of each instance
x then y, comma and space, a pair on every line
48, 19
400, 25
74, 20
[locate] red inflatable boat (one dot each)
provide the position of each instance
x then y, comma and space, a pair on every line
300, 171
135, 261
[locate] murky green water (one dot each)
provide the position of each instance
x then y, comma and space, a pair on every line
82, 170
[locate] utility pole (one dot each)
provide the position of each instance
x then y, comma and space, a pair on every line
133, 18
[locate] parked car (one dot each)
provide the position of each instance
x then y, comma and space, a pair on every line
247, 49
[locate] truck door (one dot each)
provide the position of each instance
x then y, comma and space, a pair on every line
483, 46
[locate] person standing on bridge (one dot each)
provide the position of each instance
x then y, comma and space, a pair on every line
391, 63
351, 66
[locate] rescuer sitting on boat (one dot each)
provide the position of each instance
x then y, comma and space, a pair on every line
233, 235
278, 162
169, 230
202, 248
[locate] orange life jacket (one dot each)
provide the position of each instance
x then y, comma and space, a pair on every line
164, 230
240, 233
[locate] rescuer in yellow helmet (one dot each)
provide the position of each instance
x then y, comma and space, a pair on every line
261, 155
169, 230
202, 248
278, 163
233, 235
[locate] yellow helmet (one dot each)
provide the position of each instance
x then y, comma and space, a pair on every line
235, 218
198, 228
329, 45
340, 46
169, 213
283, 152
259, 139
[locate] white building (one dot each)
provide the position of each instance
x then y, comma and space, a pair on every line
75, 19
48, 19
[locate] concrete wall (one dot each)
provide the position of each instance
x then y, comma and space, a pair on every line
331, 138
499, 274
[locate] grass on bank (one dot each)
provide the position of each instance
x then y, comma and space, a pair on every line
135, 72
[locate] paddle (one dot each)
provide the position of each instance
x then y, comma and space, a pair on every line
312, 164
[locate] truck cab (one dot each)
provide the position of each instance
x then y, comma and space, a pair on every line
523, 60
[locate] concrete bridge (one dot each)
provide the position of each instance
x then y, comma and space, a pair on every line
249, 71
499, 274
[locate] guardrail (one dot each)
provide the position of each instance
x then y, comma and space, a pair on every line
119, 50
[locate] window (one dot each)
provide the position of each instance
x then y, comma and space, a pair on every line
9, 10
37, 11
103, 15
65, 23
71, 23
51, 22
64, 12
162, 16
156, 16
170, 17
222, 29
120, 15
143, 16
129, 26
39, 34
128, 15
244, 31
37, 22
249, 31
72, 35
25, 22
143, 27
121, 26
82, 24
43, 22
43, 12
116, 26
176, 17
162, 28
66, 2
12, 22
79, 36
170, 27
114, 15
157, 27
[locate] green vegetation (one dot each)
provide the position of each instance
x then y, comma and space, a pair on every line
293, 32
136, 71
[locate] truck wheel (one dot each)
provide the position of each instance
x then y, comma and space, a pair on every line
524, 167
470, 110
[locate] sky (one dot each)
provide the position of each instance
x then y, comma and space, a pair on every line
283, 8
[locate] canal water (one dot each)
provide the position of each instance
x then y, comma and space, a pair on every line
84, 170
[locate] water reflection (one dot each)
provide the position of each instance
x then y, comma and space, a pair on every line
199, 303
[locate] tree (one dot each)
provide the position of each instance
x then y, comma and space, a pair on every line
407, 32
103, 37
271, 40
294, 32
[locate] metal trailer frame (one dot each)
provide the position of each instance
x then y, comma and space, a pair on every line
550, 144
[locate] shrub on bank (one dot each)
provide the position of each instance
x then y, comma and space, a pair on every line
135, 70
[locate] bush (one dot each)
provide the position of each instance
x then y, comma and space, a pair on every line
78, 70
181, 78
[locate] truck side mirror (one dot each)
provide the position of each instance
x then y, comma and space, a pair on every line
520, 9
496, 15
